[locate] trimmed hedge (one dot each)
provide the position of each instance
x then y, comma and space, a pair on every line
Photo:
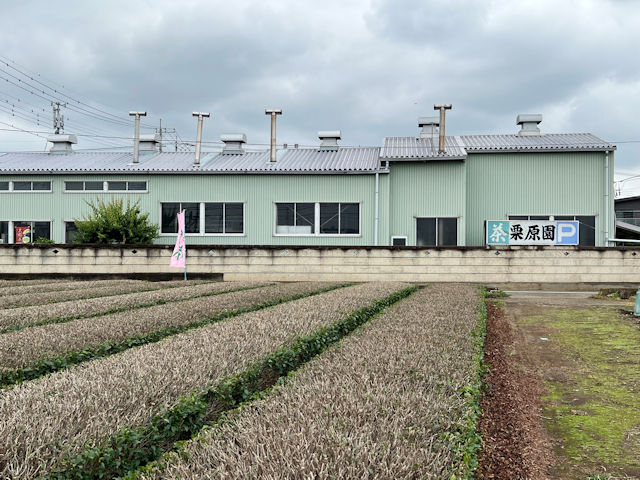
132, 448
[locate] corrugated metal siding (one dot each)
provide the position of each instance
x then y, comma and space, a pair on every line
258, 192
358, 160
560, 141
426, 189
422, 148
499, 185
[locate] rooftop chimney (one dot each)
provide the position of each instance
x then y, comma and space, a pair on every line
149, 142
329, 139
200, 116
529, 124
62, 143
273, 112
136, 134
233, 143
442, 108
429, 126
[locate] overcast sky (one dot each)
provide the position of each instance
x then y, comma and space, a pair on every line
366, 67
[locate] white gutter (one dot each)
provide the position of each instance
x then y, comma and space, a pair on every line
606, 199
377, 218
625, 240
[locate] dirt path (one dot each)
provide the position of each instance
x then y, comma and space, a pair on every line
565, 389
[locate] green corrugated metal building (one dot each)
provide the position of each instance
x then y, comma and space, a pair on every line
407, 192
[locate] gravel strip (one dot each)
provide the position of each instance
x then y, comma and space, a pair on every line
46, 419
380, 405
13, 318
24, 348
40, 281
87, 290
68, 285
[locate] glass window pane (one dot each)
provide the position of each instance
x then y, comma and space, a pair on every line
285, 217
4, 185
447, 231
399, 242
94, 186
305, 217
234, 222
518, 217
191, 217
22, 186
329, 220
4, 232
73, 186
117, 185
169, 217
539, 217
349, 218
70, 231
426, 232
587, 231
137, 186
42, 186
42, 230
22, 232
213, 218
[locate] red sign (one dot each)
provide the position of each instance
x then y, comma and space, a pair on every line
23, 235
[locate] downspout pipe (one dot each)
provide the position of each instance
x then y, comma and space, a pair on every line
606, 198
377, 217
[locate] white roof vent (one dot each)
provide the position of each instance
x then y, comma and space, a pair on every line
529, 124
329, 139
149, 142
429, 126
62, 143
233, 143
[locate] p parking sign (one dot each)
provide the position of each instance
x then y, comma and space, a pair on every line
566, 233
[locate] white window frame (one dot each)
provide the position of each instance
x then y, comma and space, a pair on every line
11, 189
201, 224
404, 237
438, 218
316, 224
105, 187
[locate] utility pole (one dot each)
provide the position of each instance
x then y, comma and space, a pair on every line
160, 133
58, 120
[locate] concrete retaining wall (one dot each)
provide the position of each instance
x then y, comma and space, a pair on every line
412, 264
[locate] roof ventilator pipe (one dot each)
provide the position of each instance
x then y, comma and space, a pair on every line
149, 142
429, 126
136, 134
329, 140
233, 143
273, 112
442, 107
529, 124
62, 143
200, 116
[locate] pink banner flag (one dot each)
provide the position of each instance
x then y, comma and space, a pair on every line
179, 257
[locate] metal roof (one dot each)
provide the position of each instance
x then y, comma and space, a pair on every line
544, 142
418, 148
344, 160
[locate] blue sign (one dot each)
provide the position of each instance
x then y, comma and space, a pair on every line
567, 233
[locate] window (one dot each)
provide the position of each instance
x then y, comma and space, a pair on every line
438, 232
4, 232
224, 218
4, 186
204, 218
70, 231
317, 218
586, 227
99, 186
30, 232
24, 186
399, 241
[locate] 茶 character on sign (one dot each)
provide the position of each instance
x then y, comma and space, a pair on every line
533, 233
516, 231
548, 232
498, 235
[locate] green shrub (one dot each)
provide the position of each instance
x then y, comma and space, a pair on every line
45, 240
113, 222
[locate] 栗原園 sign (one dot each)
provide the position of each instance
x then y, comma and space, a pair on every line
532, 232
